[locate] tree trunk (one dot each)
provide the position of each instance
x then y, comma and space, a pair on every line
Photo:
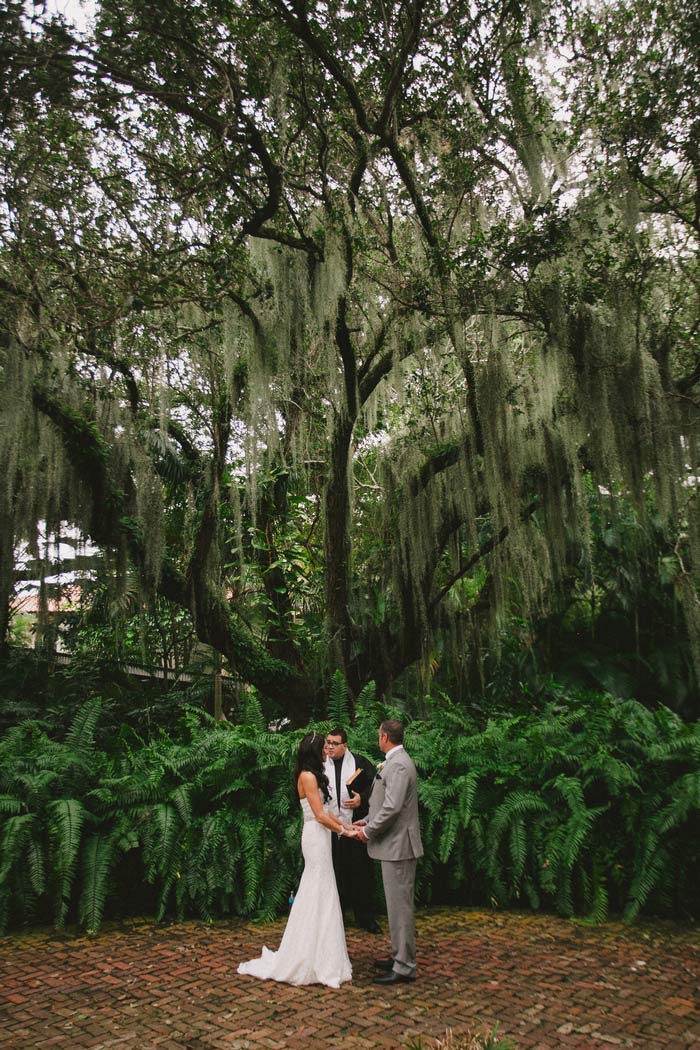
338, 545
7, 543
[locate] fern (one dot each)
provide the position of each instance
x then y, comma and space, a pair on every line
365, 699
96, 863
465, 791
10, 805
599, 905
14, 836
180, 798
66, 817
81, 735
252, 712
448, 836
36, 867
686, 797
162, 829
517, 843
253, 852
576, 831
655, 860
584, 808
339, 701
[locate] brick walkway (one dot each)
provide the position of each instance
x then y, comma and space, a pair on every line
550, 984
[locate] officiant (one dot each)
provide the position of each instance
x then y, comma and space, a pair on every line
354, 870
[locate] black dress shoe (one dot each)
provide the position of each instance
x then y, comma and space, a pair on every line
384, 964
394, 978
371, 927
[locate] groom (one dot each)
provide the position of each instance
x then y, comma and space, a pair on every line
392, 834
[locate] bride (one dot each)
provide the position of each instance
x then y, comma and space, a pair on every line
313, 947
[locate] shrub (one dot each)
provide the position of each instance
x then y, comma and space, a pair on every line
594, 804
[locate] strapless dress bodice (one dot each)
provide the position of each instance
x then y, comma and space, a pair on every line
307, 810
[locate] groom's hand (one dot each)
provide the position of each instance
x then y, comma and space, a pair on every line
360, 825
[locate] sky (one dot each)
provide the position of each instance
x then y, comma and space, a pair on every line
78, 12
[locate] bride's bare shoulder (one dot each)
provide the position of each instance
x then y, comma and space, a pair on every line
306, 783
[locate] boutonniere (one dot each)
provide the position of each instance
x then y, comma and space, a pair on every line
380, 767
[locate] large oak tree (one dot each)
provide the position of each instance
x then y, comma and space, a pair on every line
321, 315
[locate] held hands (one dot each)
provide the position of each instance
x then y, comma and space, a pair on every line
348, 831
359, 826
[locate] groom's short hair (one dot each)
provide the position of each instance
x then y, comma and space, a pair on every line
393, 729
339, 731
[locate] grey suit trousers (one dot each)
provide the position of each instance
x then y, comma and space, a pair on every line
399, 877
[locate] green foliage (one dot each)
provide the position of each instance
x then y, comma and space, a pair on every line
31, 689
335, 403
593, 805
586, 807
97, 856
208, 817
339, 701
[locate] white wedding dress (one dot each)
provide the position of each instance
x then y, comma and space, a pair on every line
313, 949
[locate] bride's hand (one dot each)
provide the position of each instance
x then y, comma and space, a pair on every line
348, 830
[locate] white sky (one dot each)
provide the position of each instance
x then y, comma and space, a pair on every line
78, 12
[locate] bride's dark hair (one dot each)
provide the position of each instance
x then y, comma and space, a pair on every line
310, 759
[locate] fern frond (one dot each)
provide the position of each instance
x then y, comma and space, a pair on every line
517, 843
81, 735
655, 860
15, 831
37, 786
516, 804
180, 798
571, 789
685, 796
36, 867
432, 795
365, 698
599, 907
531, 894
465, 790
66, 819
339, 701
576, 832
163, 827
252, 713
97, 855
448, 835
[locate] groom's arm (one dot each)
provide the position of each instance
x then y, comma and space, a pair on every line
395, 791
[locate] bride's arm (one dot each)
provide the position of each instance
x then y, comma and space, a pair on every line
308, 782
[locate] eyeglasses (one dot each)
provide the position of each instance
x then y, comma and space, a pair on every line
334, 743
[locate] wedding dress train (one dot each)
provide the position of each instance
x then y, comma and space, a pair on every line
313, 949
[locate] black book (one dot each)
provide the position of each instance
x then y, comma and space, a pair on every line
359, 781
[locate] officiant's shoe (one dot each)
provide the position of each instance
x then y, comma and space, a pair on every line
371, 927
384, 964
394, 978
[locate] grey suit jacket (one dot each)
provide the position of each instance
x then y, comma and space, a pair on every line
392, 824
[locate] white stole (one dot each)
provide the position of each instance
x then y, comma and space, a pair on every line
346, 770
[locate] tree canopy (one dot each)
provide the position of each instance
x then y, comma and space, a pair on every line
336, 321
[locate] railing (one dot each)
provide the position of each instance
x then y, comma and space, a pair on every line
171, 675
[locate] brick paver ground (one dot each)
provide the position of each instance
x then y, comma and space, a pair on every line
549, 983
